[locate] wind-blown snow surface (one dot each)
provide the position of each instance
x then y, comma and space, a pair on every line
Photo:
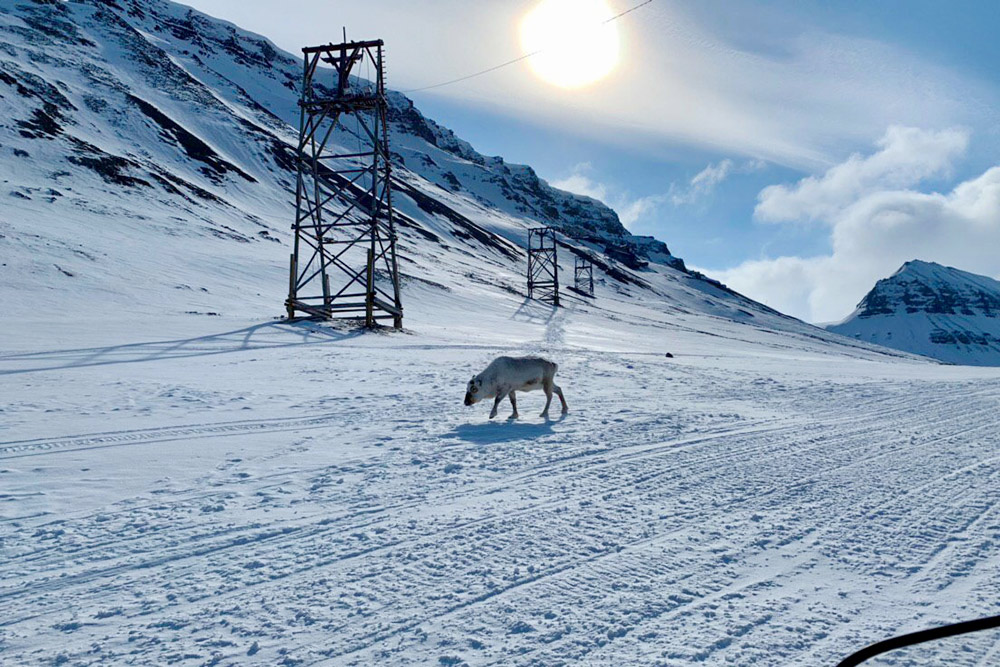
185, 480
217, 491
933, 310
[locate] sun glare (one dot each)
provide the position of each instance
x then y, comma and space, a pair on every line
576, 44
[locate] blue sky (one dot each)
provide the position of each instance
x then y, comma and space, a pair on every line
748, 135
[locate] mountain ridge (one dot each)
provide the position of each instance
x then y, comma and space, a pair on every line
930, 309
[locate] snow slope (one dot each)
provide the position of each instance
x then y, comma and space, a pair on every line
146, 168
186, 480
143, 124
933, 310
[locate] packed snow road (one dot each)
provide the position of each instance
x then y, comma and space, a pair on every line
296, 495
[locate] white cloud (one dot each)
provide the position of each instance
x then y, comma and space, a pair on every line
781, 88
632, 210
712, 175
703, 183
906, 157
579, 182
877, 222
629, 209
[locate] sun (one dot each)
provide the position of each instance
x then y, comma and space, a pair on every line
574, 42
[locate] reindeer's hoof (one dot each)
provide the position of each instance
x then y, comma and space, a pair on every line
544, 415
512, 417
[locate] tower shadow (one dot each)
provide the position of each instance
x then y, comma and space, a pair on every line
534, 312
263, 336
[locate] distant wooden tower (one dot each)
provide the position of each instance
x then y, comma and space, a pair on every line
344, 259
583, 276
543, 265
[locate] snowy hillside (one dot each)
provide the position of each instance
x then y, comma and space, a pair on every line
186, 479
150, 125
146, 170
933, 310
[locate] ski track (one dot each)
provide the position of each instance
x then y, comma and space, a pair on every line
538, 550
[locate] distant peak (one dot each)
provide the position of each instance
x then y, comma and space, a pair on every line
920, 262
919, 269
929, 287
919, 265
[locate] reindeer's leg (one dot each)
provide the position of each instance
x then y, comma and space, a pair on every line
513, 404
565, 408
547, 388
496, 403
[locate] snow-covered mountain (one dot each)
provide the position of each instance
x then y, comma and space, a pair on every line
933, 310
146, 119
146, 155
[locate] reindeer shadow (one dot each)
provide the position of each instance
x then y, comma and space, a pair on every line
502, 431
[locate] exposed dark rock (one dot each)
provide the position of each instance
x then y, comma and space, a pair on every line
627, 255
112, 168
42, 124
196, 149
920, 287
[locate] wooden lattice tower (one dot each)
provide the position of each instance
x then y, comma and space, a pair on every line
583, 276
344, 261
543, 265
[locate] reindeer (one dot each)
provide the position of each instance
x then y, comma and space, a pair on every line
509, 374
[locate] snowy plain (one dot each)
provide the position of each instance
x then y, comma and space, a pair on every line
209, 490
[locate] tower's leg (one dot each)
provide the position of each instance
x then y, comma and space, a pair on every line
555, 268
290, 303
370, 290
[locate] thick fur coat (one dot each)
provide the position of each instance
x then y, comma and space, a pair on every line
507, 375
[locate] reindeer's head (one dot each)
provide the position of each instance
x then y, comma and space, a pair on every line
473, 390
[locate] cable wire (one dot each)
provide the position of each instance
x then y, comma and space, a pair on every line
518, 59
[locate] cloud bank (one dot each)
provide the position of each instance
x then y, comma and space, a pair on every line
906, 156
631, 209
878, 220
780, 89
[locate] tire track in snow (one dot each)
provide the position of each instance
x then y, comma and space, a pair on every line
552, 465
934, 504
620, 457
299, 530
576, 589
36, 447
260, 535
588, 460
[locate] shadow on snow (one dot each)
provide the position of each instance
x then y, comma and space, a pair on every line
501, 431
534, 312
267, 335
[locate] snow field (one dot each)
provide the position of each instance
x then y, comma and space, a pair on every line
312, 496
